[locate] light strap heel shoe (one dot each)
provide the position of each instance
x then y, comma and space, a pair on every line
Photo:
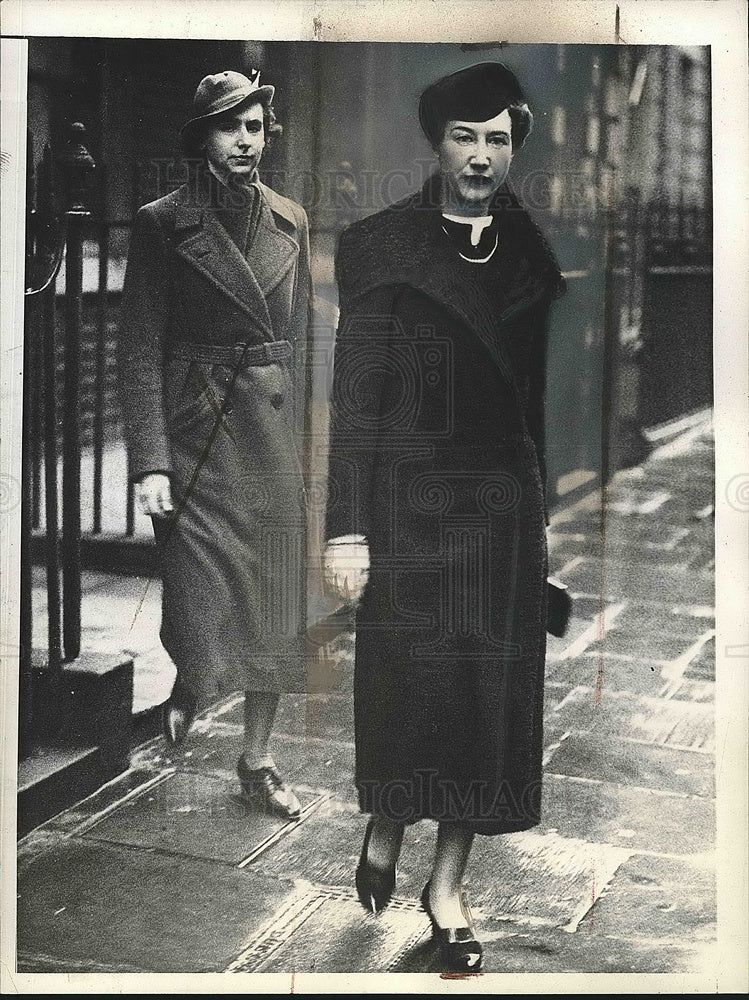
459, 949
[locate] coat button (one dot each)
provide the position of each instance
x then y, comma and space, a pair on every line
276, 400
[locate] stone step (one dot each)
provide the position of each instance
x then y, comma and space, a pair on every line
80, 733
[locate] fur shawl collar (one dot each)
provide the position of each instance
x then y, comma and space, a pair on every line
404, 244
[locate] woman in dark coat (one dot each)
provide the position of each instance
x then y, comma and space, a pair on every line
215, 311
437, 492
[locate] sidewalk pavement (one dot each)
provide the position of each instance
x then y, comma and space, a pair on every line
163, 870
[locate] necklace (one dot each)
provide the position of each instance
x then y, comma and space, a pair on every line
481, 260
477, 260
472, 234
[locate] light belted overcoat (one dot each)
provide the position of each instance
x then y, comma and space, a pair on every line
228, 435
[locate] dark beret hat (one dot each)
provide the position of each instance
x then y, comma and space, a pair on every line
474, 94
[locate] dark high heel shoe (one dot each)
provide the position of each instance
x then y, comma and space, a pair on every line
179, 713
374, 885
459, 949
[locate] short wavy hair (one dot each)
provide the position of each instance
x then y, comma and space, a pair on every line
192, 137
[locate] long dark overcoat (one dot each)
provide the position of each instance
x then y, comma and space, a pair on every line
231, 556
436, 455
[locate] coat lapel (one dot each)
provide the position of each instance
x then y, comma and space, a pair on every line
245, 280
438, 277
272, 253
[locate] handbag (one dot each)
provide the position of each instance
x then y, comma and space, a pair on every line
558, 607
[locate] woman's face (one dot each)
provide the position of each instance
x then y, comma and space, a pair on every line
474, 158
235, 143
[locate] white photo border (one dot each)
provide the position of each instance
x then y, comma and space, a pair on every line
721, 24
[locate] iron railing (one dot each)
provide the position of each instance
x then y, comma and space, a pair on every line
56, 214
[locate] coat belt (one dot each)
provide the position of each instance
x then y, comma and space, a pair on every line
239, 355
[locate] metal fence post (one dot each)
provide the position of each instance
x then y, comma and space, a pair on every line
77, 164
25, 686
100, 353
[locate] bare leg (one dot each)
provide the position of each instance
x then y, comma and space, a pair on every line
259, 714
262, 786
450, 861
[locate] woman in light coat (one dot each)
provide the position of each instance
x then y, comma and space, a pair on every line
215, 311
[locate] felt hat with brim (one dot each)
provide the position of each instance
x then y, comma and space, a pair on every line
221, 92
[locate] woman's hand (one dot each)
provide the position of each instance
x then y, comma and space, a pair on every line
346, 565
155, 494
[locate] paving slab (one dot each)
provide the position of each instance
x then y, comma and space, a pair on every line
695, 690
645, 532
83, 814
589, 609
702, 669
658, 584
672, 722
327, 931
310, 762
601, 669
40, 962
607, 672
331, 716
539, 876
325, 850
586, 755
582, 629
640, 819
702, 666
317, 763
638, 536
554, 694
684, 549
682, 619
647, 898
509, 949
696, 482
702, 565
143, 909
648, 643
195, 815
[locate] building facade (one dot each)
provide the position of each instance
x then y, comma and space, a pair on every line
616, 172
